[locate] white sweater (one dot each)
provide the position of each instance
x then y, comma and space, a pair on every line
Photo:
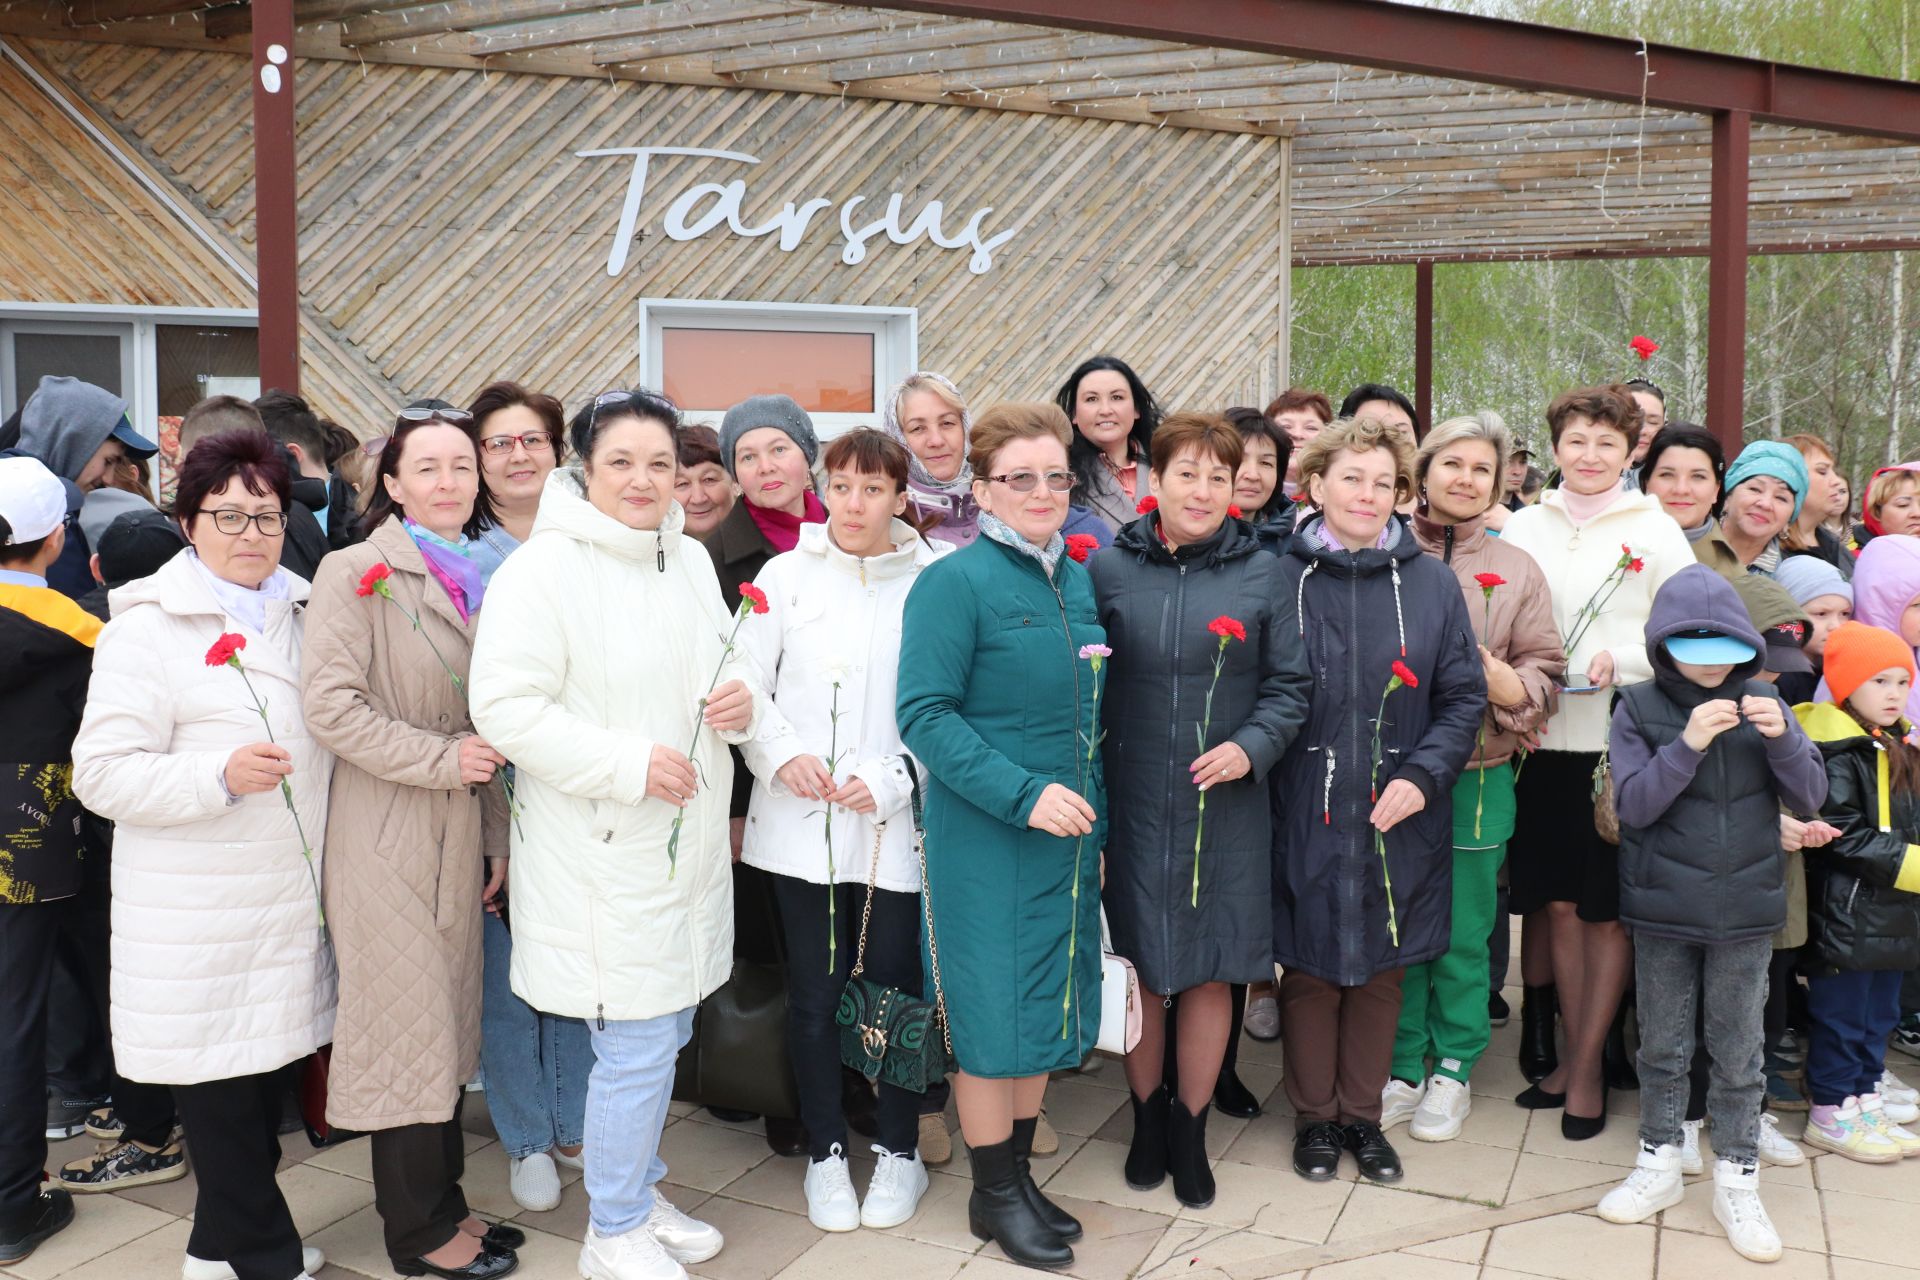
1577, 561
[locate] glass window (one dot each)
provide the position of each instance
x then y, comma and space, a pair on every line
709, 369
188, 357
90, 357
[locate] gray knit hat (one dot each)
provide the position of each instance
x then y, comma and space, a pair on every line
779, 412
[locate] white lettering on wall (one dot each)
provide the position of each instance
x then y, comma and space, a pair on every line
706, 206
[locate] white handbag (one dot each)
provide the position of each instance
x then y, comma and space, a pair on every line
1120, 1009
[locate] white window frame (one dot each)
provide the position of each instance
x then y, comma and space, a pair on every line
895, 331
135, 326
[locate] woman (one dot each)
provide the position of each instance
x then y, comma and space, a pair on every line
1766, 487
928, 415
1840, 523
1300, 415
1826, 497
1891, 504
1599, 544
1685, 471
607, 632
221, 971
1113, 416
704, 490
535, 1065
1266, 453
829, 648
412, 814
1445, 1023
1187, 889
997, 701
1344, 830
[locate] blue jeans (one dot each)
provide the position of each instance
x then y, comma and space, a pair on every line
1850, 1016
627, 1097
535, 1064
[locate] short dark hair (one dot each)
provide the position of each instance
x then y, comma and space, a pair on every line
214, 415
380, 503
698, 445
1301, 398
218, 458
1207, 434
17, 553
870, 453
1641, 384
1688, 435
291, 420
1380, 391
496, 396
1253, 423
340, 441
639, 403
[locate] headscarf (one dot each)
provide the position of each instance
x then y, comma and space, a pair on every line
1770, 458
920, 478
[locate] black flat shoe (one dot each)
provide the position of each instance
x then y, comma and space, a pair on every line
502, 1235
1232, 1098
1316, 1151
50, 1213
1538, 1056
1379, 1162
732, 1116
786, 1137
1497, 1011
1537, 1099
1579, 1128
487, 1265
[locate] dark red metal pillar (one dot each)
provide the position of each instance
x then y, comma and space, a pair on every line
1727, 280
275, 195
1423, 345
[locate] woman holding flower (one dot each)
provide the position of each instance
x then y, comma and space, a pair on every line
1206, 689
1444, 1024
389, 636
222, 975
1605, 550
1363, 815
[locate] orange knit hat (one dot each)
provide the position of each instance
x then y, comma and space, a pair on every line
1856, 653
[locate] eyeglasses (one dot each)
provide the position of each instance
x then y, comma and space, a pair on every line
532, 441
231, 520
1024, 481
458, 417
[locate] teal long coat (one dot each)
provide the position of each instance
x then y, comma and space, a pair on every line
993, 702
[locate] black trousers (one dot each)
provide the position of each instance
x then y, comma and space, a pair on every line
146, 1109
813, 995
28, 932
79, 1051
416, 1185
239, 1215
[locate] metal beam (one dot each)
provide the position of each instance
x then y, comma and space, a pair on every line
275, 195
1727, 280
1401, 37
1423, 345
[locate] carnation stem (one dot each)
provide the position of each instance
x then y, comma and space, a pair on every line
286, 793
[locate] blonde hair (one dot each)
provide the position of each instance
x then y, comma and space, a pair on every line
933, 382
1359, 435
1484, 425
1885, 486
1003, 424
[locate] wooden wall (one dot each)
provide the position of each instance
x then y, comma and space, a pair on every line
450, 236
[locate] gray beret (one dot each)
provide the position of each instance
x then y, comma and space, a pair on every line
779, 412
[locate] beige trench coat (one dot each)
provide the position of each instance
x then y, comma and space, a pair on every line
405, 837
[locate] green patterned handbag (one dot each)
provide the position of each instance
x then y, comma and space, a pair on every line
887, 1034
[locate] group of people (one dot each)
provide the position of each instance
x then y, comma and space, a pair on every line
574, 713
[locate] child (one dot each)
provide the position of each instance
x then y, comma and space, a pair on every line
1704, 756
1886, 594
1819, 589
1863, 894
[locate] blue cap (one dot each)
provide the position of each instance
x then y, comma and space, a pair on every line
135, 443
1709, 649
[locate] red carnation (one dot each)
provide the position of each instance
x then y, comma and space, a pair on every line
225, 650
1080, 546
1148, 503
1488, 581
1406, 675
754, 596
1233, 509
1228, 628
1643, 346
370, 580
1636, 564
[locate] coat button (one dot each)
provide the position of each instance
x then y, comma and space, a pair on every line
444, 717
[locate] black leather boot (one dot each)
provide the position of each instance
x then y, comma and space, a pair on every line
1187, 1156
998, 1211
1147, 1158
1538, 1057
1233, 1098
1616, 1062
1062, 1223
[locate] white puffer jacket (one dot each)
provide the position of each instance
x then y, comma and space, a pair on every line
597, 641
220, 967
833, 617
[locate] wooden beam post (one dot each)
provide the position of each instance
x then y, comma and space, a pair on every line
1727, 280
275, 195
1423, 345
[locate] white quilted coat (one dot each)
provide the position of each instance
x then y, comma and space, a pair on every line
597, 642
833, 617
220, 968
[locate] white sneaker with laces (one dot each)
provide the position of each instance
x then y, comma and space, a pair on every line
1874, 1111
1653, 1185
1442, 1111
831, 1203
1262, 1019
1398, 1101
894, 1191
1776, 1147
1901, 1103
686, 1239
636, 1255
1737, 1208
1690, 1161
311, 1260
534, 1182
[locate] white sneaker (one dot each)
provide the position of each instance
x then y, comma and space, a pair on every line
1442, 1111
831, 1203
1901, 1102
311, 1260
636, 1255
893, 1193
534, 1182
1875, 1111
1737, 1208
1262, 1019
571, 1162
685, 1239
1653, 1185
1690, 1161
1398, 1101
1853, 1134
1776, 1147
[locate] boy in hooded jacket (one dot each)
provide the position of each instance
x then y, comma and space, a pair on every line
1704, 757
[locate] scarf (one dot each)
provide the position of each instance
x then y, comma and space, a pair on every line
992, 526
1700, 531
1388, 539
245, 605
453, 566
783, 529
1582, 507
951, 491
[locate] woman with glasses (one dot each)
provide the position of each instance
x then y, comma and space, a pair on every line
415, 807
522, 438
221, 971
996, 699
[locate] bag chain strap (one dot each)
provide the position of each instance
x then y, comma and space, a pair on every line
926, 907
866, 913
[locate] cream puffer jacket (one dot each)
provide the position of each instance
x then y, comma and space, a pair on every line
1577, 561
598, 641
833, 618
220, 967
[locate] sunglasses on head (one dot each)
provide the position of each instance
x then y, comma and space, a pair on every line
458, 417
